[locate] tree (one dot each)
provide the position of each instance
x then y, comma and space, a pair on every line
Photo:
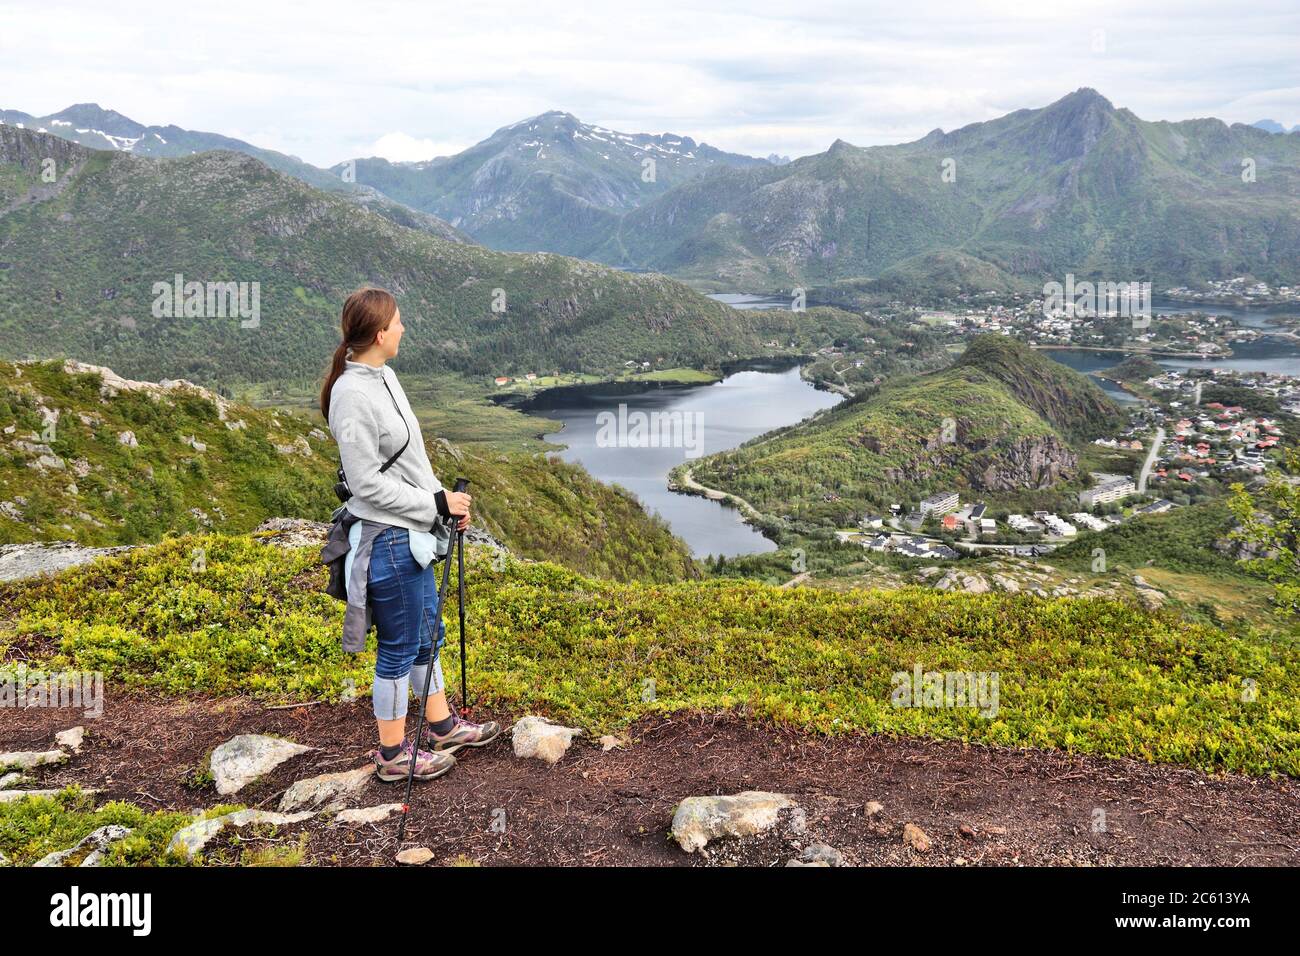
1270, 525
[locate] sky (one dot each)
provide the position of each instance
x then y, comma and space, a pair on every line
330, 80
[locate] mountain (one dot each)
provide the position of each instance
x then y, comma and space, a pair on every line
92, 253
97, 128
1078, 186
88, 456
997, 424
549, 183
1272, 126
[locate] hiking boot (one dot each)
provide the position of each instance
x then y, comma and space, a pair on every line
427, 766
463, 733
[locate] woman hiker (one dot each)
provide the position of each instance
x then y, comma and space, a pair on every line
399, 517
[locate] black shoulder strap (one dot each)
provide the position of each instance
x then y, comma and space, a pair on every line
389, 464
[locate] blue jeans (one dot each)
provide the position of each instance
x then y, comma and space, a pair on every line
404, 605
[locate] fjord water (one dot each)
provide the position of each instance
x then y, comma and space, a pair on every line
741, 406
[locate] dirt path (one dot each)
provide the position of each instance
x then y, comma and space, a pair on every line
715, 494
1017, 807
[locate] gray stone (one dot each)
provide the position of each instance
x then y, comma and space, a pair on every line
803, 863
195, 837
536, 737
329, 791
242, 759
701, 819
12, 796
11, 780
367, 814
819, 854
71, 739
31, 759
101, 838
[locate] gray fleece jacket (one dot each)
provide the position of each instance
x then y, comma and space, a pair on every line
369, 430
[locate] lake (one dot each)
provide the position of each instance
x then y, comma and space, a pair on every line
1266, 354
711, 418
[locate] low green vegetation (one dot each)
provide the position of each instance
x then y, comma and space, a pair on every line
36, 826
1091, 676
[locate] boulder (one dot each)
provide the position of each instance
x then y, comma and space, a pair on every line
242, 759
195, 837
11, 796
367, 814
71, 739
31, 759
819, 854
8, 780
101, 839
701, 819
329, 791
536, 737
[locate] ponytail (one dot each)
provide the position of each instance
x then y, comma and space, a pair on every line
366, 313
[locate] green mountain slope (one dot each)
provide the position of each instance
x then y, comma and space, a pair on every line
96, 128
90, 457
994, 424
1078, 186
549, 183
84, 254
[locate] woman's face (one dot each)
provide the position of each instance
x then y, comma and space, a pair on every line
389, 338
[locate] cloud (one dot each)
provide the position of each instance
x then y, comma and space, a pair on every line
411, 81
404, 148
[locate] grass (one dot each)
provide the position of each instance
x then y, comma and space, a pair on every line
36, 826
1088, 676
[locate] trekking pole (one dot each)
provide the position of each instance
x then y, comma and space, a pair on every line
461, 484
428, 678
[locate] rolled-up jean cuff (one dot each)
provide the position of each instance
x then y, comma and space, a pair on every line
389, 695
436, 684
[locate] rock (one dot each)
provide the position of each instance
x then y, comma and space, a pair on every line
967, 831
101, 838
803, 863
242, 759
926, 573
701, 819
329, 791
30, 759
194, 443
1010, 585
536, 737
415, 856
11, 780
195, 837
10, 796
819, 854
128, 439
916, 838
71, 739
873, 808
18, 561
608, 742
292, 532
367, 814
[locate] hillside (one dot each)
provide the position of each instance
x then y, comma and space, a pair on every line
1070, 401
89, 457
96, 128
1078, 186
549, 183
86, 251
996, 424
